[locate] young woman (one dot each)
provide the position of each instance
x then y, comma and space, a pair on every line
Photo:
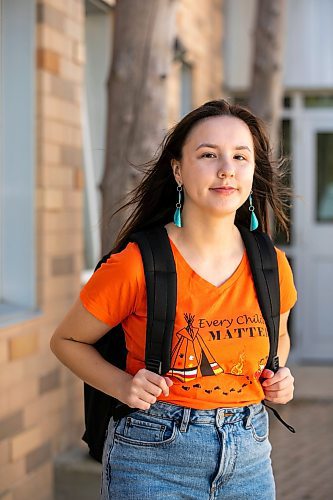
201, 430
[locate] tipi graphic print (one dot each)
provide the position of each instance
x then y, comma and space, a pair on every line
191, 357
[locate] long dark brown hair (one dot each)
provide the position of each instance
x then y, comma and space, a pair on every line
154, 199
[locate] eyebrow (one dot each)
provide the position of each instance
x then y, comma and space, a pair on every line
207, 145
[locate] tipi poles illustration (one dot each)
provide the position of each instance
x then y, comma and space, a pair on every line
191, 357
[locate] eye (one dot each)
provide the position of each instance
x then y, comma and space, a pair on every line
240, 157
208, 155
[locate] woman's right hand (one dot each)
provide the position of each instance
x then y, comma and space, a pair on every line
142, 390
77, 352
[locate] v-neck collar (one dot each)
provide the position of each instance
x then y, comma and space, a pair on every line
202, 281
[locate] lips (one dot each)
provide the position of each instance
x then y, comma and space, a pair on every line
224, 189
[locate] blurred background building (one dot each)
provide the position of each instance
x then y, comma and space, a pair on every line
55, 60
307, 129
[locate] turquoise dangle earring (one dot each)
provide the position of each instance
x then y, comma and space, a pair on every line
254, 221
177, 219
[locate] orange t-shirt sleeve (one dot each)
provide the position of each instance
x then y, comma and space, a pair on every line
288, 293
111, 292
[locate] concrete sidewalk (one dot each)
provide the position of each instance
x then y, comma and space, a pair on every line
303, 462
313, 382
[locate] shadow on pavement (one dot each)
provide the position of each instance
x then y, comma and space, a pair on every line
303, 462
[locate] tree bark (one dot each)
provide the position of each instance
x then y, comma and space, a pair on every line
137, 117
266, 90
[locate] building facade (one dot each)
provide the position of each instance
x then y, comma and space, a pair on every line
307, 119
55, 56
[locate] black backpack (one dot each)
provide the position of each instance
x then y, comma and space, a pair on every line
161, 285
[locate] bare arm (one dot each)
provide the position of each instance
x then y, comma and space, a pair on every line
72, 344
284, 339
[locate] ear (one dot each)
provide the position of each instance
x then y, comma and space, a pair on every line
176, 168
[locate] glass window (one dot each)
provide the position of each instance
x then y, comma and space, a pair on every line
17, 160
318, 101
287, 102
324, 210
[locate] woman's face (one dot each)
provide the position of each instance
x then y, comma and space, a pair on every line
217, 165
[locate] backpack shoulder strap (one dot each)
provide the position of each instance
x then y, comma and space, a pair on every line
161, 285
264, 267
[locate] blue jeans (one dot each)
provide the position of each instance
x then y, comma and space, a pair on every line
180, 453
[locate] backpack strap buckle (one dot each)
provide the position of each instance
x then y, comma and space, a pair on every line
154, 365
275, 364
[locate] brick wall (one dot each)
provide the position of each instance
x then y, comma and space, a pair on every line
40, 401
199, 29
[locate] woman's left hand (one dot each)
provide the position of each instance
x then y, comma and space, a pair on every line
278, 387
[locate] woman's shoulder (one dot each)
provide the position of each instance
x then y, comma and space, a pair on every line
281, 256
285, 269
128, 261
288, 292
130, 252
112, 291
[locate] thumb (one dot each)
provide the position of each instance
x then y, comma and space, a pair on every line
267, 373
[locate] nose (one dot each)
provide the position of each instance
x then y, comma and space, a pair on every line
226, 169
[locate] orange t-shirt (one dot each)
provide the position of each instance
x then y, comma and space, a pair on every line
220, 342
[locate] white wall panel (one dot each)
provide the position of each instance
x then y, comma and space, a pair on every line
308, 44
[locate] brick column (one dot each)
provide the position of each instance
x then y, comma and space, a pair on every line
60, 58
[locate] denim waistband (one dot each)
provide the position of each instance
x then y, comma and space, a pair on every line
218, 416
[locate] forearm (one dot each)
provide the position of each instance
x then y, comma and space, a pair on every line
283, 348
85, 361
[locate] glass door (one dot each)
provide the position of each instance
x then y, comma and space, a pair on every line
314, 235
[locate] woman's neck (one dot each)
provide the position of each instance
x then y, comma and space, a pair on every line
209, 237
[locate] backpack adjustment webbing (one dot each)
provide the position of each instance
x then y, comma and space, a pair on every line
161, 285
275, 364
264, 267
265, 272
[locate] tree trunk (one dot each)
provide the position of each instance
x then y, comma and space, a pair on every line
266, 91
137, 117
